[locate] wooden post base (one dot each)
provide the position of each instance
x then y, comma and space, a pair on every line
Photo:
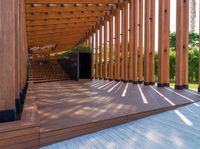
149, 83
163, 85
180, 87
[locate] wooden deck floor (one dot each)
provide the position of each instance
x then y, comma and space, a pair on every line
176, 129
68, 109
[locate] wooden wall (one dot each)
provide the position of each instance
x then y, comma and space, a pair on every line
13, 53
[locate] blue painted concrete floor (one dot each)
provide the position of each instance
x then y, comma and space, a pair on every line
176, 129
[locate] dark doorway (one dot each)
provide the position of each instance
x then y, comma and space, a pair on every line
84, 65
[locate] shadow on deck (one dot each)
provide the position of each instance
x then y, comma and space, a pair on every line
69, 109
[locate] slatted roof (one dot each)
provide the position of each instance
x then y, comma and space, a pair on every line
63, 22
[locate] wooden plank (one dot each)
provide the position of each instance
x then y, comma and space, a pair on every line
70, 2
92, 67
163, 43
68, 8
182, 44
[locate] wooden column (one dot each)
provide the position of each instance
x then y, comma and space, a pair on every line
111, 47
140, 48
163, 43
199, 54
13, 56
100, 54
105, 51
122, 46
149, 42
97, 55
126, 70
92, 67
135, 40
182, 31
131, 39
117, 44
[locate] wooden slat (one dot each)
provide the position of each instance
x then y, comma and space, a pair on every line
92, 63
70, 1
70, 8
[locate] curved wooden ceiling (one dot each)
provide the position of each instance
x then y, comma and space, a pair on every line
63, 22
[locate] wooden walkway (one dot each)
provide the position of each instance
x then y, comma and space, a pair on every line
69, 109
177, 129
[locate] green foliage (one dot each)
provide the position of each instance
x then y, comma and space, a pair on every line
193, 40
193, 55
78, 48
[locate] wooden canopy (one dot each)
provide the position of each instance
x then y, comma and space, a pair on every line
63, 22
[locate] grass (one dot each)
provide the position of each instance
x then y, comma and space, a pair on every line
191, 85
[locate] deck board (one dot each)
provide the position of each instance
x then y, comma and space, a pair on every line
69, 108
154, 132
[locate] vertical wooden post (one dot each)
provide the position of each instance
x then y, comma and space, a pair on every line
182, 44
199, 54
100, 53
105, 51
163, 43
122, 45
97, 54
125, 41
131, 39
135, 40
149, 42
111, 47
92, 67
117, 43
140, 38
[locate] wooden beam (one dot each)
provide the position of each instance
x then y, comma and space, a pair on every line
182, 31
71, 1
69, 8
163, 43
